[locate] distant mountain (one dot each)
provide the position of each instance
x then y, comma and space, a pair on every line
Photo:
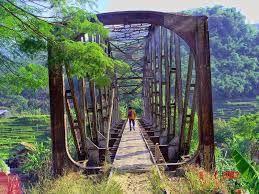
256, 25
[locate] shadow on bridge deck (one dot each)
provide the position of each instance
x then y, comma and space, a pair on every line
132, 154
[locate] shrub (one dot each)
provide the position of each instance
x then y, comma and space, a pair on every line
3, 167
221, 112
223, 131
173, 185
156, 184
38, 164
195, 181
200, 181
123, 110
137, 104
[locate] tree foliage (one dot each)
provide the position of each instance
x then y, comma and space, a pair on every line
31, 25
235, 52
31, 77
240, 132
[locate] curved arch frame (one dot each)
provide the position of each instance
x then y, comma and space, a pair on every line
194, 31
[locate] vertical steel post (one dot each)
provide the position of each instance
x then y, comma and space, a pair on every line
82, 105
57, 114
160, 78
94, 109
204, 94
179, 97
173, 73
168, 85
186, 100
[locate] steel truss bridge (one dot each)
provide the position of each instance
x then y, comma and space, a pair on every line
169, 59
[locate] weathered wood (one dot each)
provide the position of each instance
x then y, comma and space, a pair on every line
157, 152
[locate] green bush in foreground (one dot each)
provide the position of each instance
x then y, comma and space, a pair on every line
247, 171
38, 164
76, 183
3, 167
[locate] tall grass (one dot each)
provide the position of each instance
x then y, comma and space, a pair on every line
76, 183
195, 181
156, 184
26, 128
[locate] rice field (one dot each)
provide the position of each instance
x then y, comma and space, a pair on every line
29, 128
234, 108
35, 128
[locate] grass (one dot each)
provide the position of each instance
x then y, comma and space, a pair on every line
195, 181
137, 183
253, 103
76, 183
156, 184
234, 108
14, 130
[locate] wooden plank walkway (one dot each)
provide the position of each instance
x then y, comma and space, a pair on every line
132, 154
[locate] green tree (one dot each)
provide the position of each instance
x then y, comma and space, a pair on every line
234, 49
27, 30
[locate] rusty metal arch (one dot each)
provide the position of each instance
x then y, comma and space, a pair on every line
183, 25
194, 31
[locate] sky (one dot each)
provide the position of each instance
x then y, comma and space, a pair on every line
249, 8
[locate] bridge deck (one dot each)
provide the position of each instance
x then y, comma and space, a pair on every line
132, 154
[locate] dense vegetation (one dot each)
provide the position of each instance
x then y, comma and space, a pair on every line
234, 49
29, 129
235, 52
238, 135
75, 183
29, 29
240, 132
25, 35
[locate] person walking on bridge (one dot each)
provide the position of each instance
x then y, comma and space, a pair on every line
132, 117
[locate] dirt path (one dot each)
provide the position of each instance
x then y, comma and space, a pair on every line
134, 183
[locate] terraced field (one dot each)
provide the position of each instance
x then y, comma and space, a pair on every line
234, 108
29, 128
